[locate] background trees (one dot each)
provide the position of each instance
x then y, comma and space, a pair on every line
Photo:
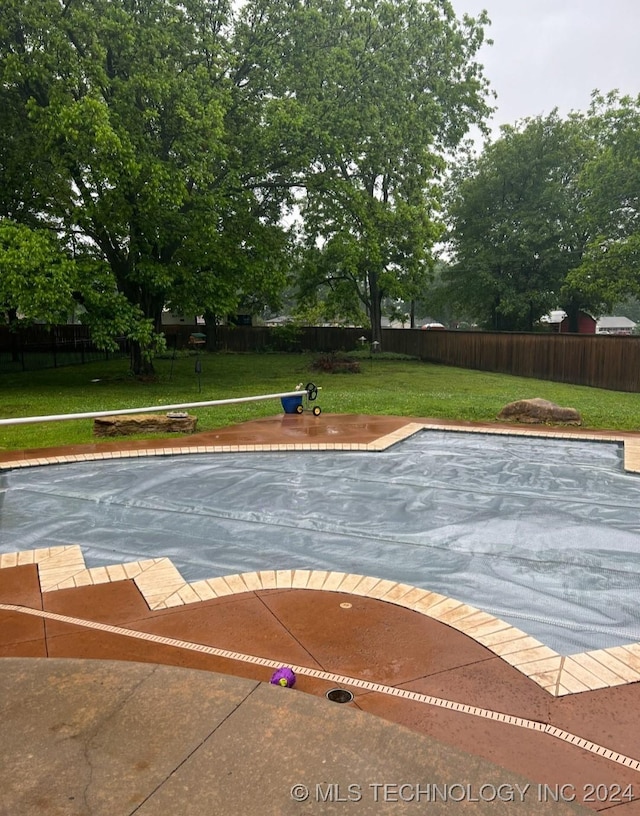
194, 156
123, 116
166, 144
548, 217
386, 89
518, 225
611, 183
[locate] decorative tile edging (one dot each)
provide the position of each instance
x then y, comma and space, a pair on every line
97, 456
366, 685
631, 445
163, 587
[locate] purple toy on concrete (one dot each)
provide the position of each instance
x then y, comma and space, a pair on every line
284, 677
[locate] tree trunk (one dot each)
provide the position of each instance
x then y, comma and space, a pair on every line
573, 317
211, 330
495, 314
141, 365
375, 297
531, 318
141, 362
14, 335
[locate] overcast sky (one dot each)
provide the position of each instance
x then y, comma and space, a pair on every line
553, 53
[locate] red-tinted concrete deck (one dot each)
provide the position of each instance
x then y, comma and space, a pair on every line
405, 667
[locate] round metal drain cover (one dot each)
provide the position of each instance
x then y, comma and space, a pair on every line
339, 695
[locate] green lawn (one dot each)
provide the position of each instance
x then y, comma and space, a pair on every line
403, 387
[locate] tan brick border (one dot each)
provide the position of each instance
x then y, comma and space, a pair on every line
163, 587
631, 445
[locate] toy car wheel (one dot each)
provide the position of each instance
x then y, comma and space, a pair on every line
317, 410
299, 409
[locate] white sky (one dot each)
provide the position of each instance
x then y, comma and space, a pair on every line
553, 53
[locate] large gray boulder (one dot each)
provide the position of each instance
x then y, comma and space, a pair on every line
539, 411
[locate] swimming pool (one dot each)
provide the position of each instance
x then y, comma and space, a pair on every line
542, 533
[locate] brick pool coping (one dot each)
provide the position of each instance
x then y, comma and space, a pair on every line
22, 459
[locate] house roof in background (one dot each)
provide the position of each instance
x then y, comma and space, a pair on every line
613, 322
555, 316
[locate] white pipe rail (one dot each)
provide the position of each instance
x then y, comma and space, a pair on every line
153, 408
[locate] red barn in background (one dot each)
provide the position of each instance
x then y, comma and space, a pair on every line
558, 321
586, 324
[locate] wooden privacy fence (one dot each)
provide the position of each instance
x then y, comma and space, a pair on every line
601, 361
36, 347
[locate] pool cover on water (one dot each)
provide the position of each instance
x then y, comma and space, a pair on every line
542, 533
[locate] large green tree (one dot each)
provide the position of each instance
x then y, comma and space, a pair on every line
166, 143
611, 185
122, 116
518, 225
379, 91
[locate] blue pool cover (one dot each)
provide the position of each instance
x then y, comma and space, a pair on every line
542, 533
